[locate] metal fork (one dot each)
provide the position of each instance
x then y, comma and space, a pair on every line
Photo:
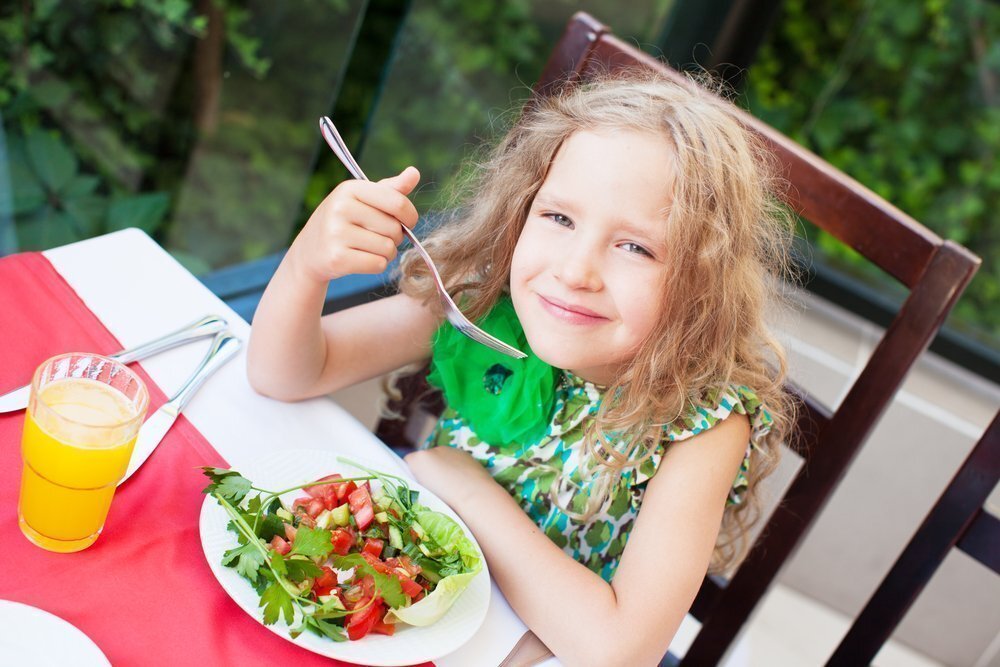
451, 311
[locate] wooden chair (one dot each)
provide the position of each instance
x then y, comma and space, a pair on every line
934, 270
956, 520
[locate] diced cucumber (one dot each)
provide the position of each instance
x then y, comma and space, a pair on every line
324, 520
332, 601
416, 528
395, 537
285, 515
341, 515
382, 517
381, 500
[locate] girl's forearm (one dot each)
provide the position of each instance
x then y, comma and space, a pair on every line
571, 609
287, 349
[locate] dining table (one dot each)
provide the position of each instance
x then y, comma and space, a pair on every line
138, 291
128, 285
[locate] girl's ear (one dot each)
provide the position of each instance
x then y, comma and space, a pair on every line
405, 181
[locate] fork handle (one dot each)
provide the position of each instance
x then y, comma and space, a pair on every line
332, 136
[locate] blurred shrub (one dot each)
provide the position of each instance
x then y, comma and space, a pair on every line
903, 95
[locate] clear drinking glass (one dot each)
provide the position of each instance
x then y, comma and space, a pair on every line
82, 420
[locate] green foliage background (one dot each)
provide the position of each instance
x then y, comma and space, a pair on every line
903, 95
97, 102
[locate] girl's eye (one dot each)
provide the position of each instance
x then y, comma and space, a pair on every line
636, 248
559, 219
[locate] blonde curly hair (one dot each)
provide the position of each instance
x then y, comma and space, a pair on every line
726, 215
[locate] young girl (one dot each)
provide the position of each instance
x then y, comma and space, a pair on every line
625, 235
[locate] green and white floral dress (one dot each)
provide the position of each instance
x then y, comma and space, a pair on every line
524, 421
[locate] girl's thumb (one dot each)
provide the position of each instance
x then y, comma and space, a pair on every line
403, 182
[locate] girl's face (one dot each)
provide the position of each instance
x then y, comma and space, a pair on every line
587, 276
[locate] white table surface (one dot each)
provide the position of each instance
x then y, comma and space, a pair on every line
139, 292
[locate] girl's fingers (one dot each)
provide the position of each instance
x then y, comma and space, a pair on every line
386, 199
372, 219
404, 181
363, 240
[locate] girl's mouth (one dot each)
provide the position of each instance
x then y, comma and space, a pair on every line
570, 313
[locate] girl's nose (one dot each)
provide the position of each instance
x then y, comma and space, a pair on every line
579, 268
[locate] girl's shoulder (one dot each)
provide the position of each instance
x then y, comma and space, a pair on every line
714, 409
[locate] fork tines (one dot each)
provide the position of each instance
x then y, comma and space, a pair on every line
481, 336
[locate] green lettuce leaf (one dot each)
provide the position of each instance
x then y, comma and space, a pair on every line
448, 535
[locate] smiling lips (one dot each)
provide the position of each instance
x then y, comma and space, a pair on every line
570, 313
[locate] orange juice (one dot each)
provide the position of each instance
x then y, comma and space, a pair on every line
75, 451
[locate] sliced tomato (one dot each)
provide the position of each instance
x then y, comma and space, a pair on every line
373, 547
418, 597
367, 586
290, 531
315, 507
342, 541
375, 563
280, 545
324, 491
344, 490
383, 628
361, 506
301, 505
325, 582
361, 623
406, 563
410, 587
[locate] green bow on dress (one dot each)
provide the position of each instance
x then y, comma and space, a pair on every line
506, 401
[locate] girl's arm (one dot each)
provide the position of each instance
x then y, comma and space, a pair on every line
294, 353
580, 617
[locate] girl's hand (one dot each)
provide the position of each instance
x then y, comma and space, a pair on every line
356, 228
450, 473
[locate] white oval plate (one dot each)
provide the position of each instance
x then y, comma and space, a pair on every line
32, 636
409, 645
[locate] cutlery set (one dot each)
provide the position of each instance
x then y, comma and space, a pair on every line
224, 347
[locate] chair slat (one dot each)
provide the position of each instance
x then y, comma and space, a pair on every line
946, 524
982, 540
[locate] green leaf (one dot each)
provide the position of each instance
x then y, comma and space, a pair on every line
226, 484
26, 193
80, 185
268, 526
326, 629
46, 229
145, 211
448, 535
51, 159
312, 542
88, 212
298, 570
248, 559
276, 602
278, 564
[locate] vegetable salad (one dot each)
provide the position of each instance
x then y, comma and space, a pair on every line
351, 556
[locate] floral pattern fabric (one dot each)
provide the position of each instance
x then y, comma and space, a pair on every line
527, 470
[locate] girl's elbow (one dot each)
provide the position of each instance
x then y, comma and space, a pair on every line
264, 382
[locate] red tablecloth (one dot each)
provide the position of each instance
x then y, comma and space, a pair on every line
143, 592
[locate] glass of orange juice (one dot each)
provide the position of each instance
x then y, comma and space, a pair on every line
83, 417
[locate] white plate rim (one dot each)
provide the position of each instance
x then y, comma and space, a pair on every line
422, 645
72, 641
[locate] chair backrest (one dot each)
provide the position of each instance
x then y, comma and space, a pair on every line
934, 270
956, 520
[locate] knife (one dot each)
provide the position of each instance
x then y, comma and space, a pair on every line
206, 326
224, 347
